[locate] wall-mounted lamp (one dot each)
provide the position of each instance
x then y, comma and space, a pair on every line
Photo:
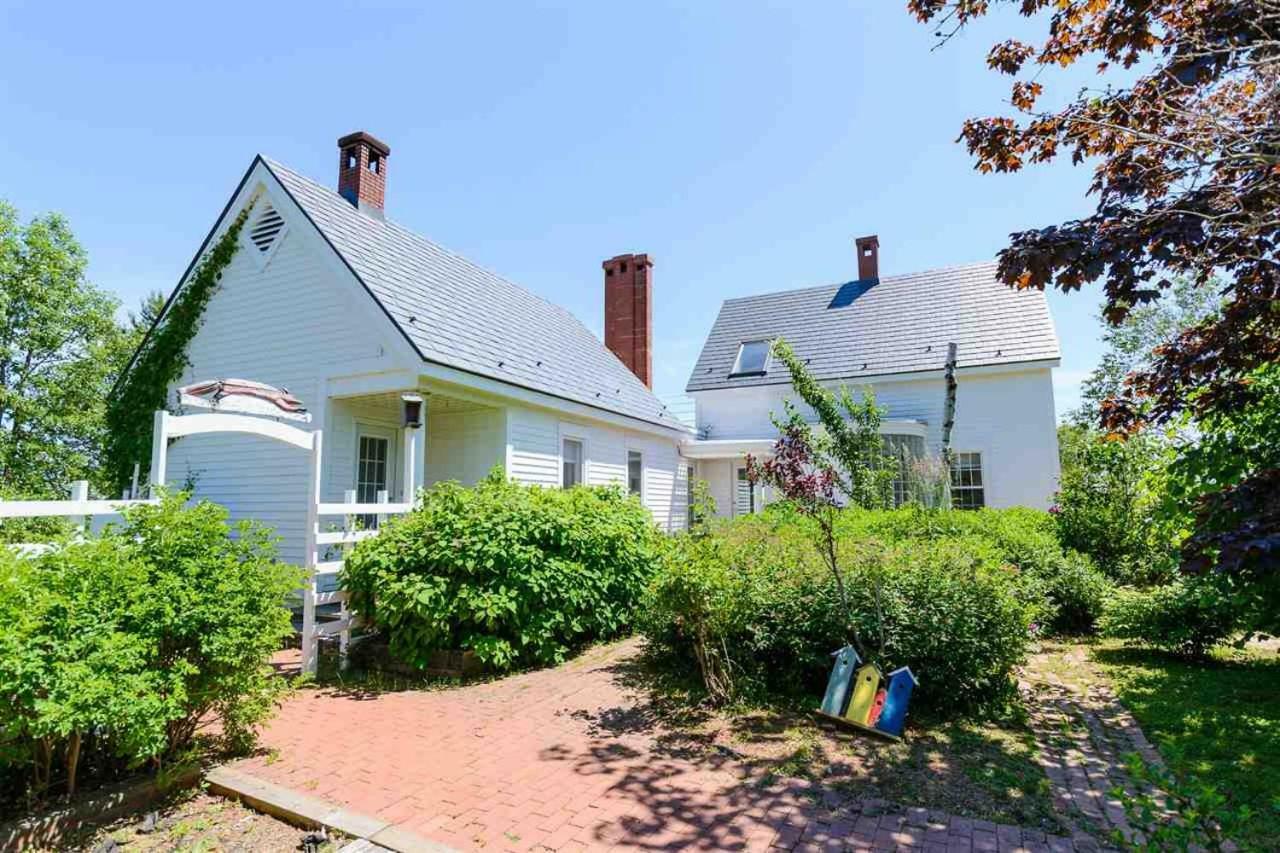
412, 404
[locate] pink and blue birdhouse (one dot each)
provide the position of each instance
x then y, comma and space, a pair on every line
893, 714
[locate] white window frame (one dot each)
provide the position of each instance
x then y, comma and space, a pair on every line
768, 358
640, 454
982, 471
752, 504
582, 463
383, 431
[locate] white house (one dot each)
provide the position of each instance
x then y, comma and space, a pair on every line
891, 335
348, 310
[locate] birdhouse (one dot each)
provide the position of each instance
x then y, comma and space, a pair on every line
866, 683
897, 696
876, 707
837, 695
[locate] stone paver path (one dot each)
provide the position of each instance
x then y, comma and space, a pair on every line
572, 759
1083, 732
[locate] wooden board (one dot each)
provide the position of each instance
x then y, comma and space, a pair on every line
857, 726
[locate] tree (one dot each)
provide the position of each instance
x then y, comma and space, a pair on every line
1186, 154
57, 338
1132, 343
819, 470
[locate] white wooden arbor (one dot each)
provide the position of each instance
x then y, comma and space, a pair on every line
169, 426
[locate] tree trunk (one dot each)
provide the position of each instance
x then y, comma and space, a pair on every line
73, 762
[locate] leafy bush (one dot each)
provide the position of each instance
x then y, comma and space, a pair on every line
754, 604
519, 574
1067, 588
1108, 504
120, 646
1188, 617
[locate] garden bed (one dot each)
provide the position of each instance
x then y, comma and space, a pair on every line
192, 821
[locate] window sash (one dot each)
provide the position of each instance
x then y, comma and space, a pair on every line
968, 490
635, 472
571, 453
753, 358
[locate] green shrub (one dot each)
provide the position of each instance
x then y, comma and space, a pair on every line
755, 601
122, 645
1064, 585
1188, 617
519, 574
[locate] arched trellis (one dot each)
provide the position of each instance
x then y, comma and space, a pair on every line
168, 426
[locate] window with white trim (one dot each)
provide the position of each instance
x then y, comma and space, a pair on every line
753, 358
571, 461
635, 472
906, 451
688, 496
967, 489
744, 495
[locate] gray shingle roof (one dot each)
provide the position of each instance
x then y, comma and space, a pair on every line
464, 316
898, 324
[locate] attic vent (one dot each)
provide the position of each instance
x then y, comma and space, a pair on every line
266, 229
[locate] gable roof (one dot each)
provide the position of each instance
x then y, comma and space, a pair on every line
461, 315
896, 324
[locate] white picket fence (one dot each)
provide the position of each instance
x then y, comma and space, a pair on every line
318, 593
321, 589
82, 512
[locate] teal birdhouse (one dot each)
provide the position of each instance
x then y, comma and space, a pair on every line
837, 695
893, 715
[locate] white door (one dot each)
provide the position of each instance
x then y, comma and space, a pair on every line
376, 468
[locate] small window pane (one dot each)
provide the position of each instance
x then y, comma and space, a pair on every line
753, 358
635, 472
572, 455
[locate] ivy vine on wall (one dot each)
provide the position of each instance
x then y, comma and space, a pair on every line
160, 361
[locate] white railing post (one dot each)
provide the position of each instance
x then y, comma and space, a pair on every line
344, 638
410, 468
383, 497
79, 492
159, 452
311, 556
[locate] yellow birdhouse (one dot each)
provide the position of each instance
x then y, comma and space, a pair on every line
865, 685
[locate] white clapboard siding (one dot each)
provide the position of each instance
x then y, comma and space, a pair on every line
292, 323
465, 446
534, 458
1008, 417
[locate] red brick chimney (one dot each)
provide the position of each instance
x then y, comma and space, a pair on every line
628, 313
362, 171
868, 257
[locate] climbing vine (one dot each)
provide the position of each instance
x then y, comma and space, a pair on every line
160, 361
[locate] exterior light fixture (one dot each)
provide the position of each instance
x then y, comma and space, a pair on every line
412, 404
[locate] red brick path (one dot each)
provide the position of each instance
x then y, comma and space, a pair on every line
570, 759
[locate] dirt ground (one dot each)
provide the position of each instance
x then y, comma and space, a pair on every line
193, 822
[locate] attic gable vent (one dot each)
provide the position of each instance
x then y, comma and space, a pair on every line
266, 229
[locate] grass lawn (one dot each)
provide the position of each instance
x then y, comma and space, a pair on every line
1217, 721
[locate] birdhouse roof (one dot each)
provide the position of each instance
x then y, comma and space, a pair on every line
848, 648
909, 673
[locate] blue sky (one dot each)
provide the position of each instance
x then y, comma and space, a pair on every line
743, 145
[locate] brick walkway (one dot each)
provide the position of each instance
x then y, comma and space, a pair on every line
1083, 734
572, 759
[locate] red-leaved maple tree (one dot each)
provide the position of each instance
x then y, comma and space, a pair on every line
1185, 151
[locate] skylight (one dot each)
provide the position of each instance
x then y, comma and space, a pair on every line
753, 359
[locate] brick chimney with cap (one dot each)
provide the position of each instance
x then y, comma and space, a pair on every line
628, 313
362, 171
868, 257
